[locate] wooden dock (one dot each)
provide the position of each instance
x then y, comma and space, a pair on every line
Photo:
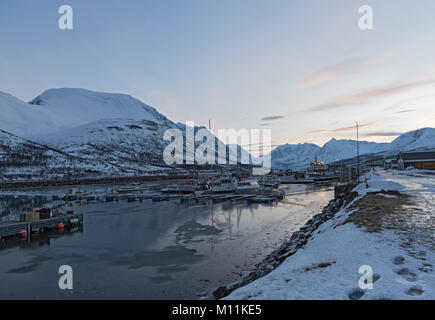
11, 228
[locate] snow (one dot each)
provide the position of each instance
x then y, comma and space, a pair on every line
74, 107
422, 138
296, 155
61, 109
83, 123
22, 118
347, 248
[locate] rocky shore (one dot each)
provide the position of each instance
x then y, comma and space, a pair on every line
343, 196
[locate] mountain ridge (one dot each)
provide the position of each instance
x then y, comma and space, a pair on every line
337, 150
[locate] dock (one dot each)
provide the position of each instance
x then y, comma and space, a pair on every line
12, 228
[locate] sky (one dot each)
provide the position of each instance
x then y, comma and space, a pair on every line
301, 68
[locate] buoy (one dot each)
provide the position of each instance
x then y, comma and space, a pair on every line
60, 226
22, 233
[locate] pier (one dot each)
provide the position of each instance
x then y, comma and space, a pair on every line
12, 228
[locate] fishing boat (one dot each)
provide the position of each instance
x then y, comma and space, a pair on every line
133, 188
247, 186
187, 187
269, 184
76, 192
172, 188
223, 184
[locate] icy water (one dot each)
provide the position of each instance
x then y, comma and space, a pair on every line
152, 250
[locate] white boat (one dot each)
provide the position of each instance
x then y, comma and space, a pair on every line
187, 187
172, 188
269, 184
133, 188
76, 192
223, 184
247, 186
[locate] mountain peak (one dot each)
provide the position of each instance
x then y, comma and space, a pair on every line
75, 106
421, 138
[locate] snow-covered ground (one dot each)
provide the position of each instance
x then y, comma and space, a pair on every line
401, 255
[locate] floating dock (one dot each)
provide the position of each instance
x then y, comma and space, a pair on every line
12, 228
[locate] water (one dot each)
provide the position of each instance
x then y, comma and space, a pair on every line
154, 250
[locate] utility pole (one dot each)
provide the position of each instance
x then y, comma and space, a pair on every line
209, 129
357, 149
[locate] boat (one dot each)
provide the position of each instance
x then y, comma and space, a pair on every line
223, 184
75, 192
172, 188
133, 188
247, 186
187, 187
269, 184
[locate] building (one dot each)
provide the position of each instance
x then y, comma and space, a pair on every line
318, 166
418, 160
375, 161
391, 163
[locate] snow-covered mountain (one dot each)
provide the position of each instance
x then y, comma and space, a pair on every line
23, 118
294, 155
106, 131
418, 139
344, 149
23, 159
87, 132
298, 156
71, 107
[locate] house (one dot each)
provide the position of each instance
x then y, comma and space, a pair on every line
390, 163
418, 160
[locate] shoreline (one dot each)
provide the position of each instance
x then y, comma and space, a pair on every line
13, 185
342, 197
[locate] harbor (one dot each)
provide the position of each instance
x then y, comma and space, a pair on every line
202, 188
209, 239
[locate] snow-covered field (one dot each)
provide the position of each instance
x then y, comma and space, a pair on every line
401, 257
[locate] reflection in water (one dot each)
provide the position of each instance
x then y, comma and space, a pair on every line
155, 250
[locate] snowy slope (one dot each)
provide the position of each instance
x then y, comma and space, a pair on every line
74, 107
298, 155
328, 265
133, 143
113, 128
345, 149
422, 138
23, 159
22, 118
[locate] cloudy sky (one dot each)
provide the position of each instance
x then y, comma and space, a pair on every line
301, 68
